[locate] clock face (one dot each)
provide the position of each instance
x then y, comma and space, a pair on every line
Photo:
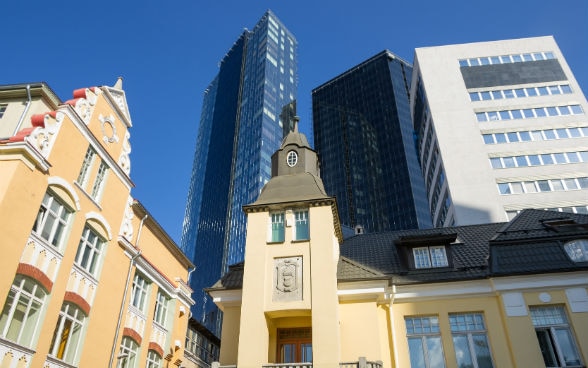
292, 158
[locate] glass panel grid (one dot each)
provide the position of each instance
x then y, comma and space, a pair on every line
547, 316
422, 325
467, 322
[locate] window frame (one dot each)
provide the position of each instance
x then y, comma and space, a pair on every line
18, 296
66, 324
424, 336
577, 250
432, 261
86, 169
154, 360
161, 309
130, 348
140, 292
100, 181
89, 253
277, 227
478, 328
54, 232
301, 230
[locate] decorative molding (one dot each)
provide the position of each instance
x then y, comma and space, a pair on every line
126, 228
124, 159
514, 304
43, 136
58, 181
108, 128
129, 332
101, 220
287, 279
578, 299
36, 274
78, 300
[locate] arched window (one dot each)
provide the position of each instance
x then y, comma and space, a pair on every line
90, 251
22, 310
52, 220
127, 357
153, 359
577, 250
68, 333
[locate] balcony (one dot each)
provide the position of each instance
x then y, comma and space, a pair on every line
361, 363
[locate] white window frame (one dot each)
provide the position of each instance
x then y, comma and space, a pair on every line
434, 256
161, 309
140, 292
276, 224
100, 181
153, 359
472, 325
301, 222
577, 250
551, 326
69, 331
129, 350
52, 220
23, 332
86, 168
429, 329
90, 249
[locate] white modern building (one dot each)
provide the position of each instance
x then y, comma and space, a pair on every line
501, 126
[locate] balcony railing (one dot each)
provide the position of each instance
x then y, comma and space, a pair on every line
361, 363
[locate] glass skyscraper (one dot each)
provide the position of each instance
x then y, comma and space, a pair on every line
240, 128
363, 134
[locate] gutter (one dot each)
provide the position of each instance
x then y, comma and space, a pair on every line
20, 121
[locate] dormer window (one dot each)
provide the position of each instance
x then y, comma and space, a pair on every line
577, 250
430, 257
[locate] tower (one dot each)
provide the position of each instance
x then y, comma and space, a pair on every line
240, 128
501, 127
363, 135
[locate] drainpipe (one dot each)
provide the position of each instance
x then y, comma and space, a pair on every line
25, 110
124, 300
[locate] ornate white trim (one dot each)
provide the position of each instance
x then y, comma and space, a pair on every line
126, 227
113, 138
43, 138
100, 219
124, 161
58, 181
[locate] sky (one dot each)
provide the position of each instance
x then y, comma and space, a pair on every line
168, 52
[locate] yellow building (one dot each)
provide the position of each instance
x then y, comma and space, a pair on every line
88, 277
496, 295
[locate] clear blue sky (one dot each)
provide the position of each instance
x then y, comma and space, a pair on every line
168, 51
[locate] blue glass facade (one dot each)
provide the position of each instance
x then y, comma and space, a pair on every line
364, 137
240, 128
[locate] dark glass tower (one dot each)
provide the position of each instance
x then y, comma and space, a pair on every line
364, 137
240, 128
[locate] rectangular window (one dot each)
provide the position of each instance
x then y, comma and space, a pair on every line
424, 342
86, 167
100, 181
556, 341
161, 304
430, 257
2, 110
68, 334
52, 220
301, 226
470, 340
89, 251
277, 227
140, 292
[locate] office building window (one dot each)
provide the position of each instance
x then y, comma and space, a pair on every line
424, 342
67, 337
161, 306
577, 250
86, 167
127, 357
301, 225
470, 340
52, 220
430, 257
140, 292
89, 251
277, 227
21, 314
536, 112
100, 182
556, 341
153, 359
554, 89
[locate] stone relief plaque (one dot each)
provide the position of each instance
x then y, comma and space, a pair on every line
287, 279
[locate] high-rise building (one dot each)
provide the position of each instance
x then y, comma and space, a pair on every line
363, 134
240, 128
501, 126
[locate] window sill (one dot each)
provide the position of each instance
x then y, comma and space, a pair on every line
300, 240
275, 242
58, 362
88, 195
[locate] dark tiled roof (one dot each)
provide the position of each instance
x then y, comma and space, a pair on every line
349, 270
233, 279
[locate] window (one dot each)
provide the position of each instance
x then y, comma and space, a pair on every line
429, 257
89, 251
160, 315
100, 180
555, 337
295, 345
2, 110
52, 220
140, 291
86, 167
577, 250
277, 224
301, 225
127, 357
20, 316
470, 340
68, 333
292, 158
153, 359
424, 342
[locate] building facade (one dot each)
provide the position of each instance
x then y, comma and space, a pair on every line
89, 278
501, 126
240, 127
511, 294
363, 134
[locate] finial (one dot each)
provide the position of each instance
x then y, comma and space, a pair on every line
118, 84
296, 119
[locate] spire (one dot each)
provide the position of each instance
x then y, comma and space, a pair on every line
296, 119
